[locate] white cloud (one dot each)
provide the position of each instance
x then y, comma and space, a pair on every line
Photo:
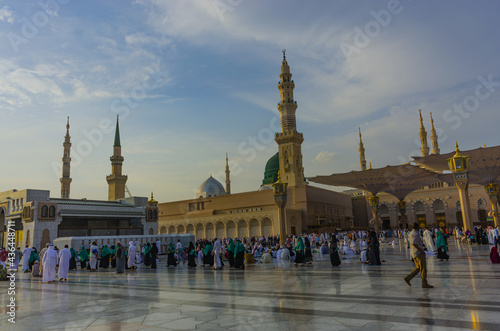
323, 157
6, 15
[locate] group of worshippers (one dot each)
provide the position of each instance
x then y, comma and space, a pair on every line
45, 263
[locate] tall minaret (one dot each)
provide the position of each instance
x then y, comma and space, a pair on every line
434, 138
66, 159
289, 140
362, 160
228, 181
116, 181
423, 136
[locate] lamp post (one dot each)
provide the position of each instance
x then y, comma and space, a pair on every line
374, 202
402, 211
492, 190
460, 166
280, 196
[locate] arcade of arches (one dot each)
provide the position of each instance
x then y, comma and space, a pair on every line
233, 228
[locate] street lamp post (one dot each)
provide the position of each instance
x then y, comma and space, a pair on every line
280, 197
460, 166
492, 190
374, 202
402, 211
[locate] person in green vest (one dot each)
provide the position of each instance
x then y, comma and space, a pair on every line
299, 251
72, 259
147, 254
230, 253
113, 256
105, 255
208, 258
191, 255
84, 257
239, 255
171, 256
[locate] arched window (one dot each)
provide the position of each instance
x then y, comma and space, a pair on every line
45, 211
419, 207
150, 214
384, 209
155, 214
438, 205
52, 211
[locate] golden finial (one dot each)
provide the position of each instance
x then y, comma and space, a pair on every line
117, 118
370, 165
284, 50
484, 145
67, 124
151, 195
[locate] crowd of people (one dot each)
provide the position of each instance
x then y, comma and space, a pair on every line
239, 252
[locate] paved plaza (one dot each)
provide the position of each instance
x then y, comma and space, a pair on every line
269, 297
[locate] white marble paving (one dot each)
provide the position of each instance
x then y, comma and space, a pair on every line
269, 297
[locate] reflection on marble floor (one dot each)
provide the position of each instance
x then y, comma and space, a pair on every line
269, 297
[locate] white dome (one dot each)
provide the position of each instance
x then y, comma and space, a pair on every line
265, 187
210, 188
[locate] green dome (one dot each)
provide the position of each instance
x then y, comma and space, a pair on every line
272, 169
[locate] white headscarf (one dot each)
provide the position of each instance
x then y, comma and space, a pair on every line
131, 243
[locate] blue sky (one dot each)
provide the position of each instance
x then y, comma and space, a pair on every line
193, 80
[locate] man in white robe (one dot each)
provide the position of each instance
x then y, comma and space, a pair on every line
94, 251
216, 253
132, 253
26, 258
49, 263
41, 254
64, 257
17, 258
429, 242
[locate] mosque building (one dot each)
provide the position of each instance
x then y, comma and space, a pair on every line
436, 205
38, 218
216, 212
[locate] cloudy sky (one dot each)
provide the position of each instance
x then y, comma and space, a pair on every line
193, 80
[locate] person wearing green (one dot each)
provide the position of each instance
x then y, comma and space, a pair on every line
442, 246
239, 255
299, 251
33, 257
191, 255
208, 258
230, 253
84, 257
171, 256
72, 259
105, 255
147, 254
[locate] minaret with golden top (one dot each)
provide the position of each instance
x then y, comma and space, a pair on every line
228, 180
423, 136
289, 140
434, 138
362, 160
66, 159
116, 181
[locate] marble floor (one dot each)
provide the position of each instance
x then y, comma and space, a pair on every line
269, 297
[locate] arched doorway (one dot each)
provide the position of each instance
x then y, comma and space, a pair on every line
219, 233
181, 229
45, 238
420, 214
267, 227
231, 229
385, 216
200, 231
210, 231
151, 231
254, 228
482, 217
242, 229
171, 229
190, 229
163, 230
439, 213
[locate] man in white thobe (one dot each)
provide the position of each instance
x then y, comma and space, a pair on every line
429, 242
64, 257
41, 254
26, 258
132, 252
216, 253
94, 252
49, 263
17, 258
